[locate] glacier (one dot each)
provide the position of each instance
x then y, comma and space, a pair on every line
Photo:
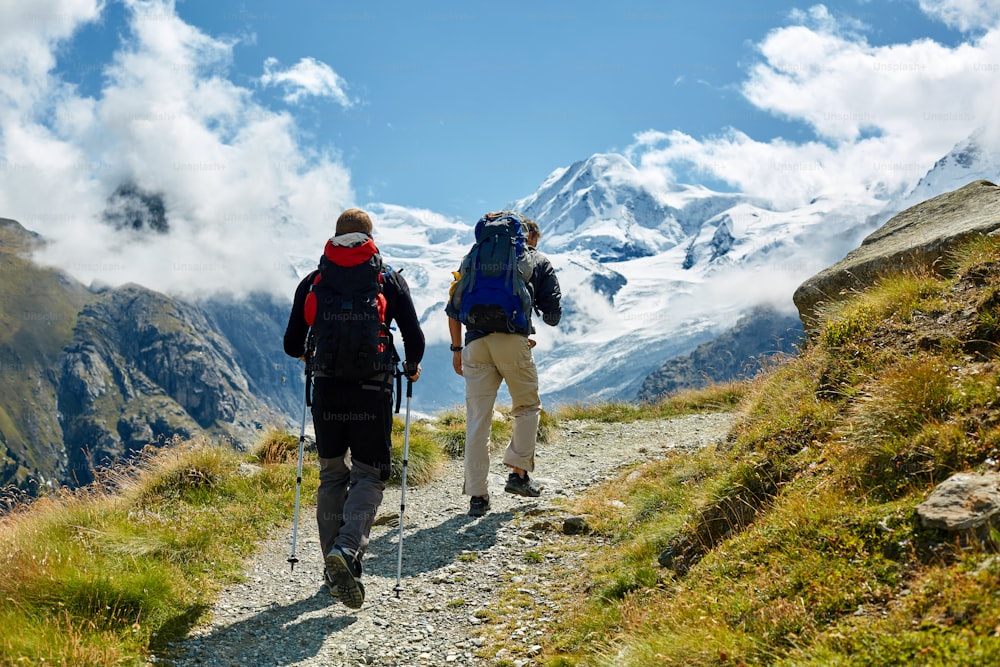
647, 272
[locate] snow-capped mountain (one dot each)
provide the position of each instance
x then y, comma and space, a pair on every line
665, 305
969, 160
602, 206
647, 272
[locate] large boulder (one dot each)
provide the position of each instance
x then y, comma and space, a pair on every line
916, 237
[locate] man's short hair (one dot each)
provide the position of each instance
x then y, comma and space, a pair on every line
531, 227
353, 220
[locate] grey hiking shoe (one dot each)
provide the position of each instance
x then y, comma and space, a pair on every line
479, 505
345, 570
522, 486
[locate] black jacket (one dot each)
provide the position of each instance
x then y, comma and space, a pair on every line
399, 308
545, 289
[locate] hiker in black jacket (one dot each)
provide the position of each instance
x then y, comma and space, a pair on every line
485, 360
353, 424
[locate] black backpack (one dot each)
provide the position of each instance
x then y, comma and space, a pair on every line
491, 290
345, 309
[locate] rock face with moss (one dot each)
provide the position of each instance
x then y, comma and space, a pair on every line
916, 237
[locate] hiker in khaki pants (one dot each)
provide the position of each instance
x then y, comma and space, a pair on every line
486, 360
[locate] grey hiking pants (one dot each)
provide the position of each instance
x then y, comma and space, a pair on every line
345, 519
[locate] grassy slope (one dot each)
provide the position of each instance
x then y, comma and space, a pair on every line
39, 308
797, 543
115, 571
101, 578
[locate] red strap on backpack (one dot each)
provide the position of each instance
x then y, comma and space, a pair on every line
309, 307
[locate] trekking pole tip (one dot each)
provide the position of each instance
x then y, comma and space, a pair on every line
397, 589
293, 560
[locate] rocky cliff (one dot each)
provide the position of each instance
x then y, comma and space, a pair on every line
38, 308
92, 376
143, 368
737, 353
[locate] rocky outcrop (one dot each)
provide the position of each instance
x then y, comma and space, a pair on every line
917, 237
88, 376
735, 354
966, 505
143, 368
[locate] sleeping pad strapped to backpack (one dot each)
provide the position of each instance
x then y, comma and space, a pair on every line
345, 308
491, 291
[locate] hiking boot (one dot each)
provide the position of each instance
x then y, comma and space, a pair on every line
330, 583
479, 505
522, 486
345, 570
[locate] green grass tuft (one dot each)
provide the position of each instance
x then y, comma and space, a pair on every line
718, 397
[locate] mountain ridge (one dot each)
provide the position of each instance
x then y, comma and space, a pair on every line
649, 272
94, 375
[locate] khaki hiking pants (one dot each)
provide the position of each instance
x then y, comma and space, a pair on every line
485, 363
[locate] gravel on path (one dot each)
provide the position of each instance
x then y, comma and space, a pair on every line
455, 567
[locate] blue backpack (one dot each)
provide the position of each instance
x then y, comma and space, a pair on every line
491, 290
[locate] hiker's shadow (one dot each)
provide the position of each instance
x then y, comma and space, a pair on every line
244, 642
435, 547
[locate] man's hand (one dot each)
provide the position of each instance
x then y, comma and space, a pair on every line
456, 361
412, 374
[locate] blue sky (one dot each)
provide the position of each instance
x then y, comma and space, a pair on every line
464, 106
243, 113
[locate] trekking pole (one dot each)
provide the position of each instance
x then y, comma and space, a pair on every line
302, 439
402, 492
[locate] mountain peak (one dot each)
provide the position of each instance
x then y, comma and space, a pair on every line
601, 163
583, 173
969, 160
602, 206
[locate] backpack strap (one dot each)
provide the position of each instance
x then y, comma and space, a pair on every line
473, 264
512, 264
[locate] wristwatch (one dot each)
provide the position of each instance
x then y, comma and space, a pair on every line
456, 348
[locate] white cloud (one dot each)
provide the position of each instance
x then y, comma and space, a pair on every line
867, 105
241, 194
307, 77
819, 17
29, 29
964, 14
28, 33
